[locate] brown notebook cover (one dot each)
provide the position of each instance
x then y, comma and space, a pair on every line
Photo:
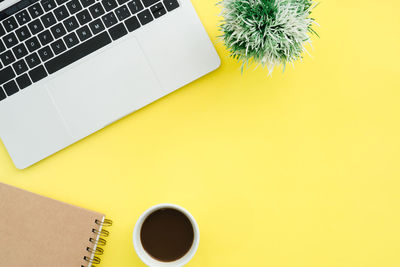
37, 231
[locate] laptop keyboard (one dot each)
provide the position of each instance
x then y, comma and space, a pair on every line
43, 37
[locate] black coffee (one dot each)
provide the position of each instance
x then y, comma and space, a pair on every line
167, 234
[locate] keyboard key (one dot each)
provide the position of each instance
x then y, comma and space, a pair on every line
84, 33
158, 10
7, 58
2, 47
2, 31
10, 88
84, 17
87, 3
145, 17
148, 3
10, 24
117, 31
20, 67
122, 13
10, 40
23, 4
135, 6
109, 4
2, 94
96, 10
61, 13
60, 2
20, 51
171, 4
23, 33
58, 30
74, 6
6, 75
23, 81
32, 60
35, 10
71, 39
96, 26
45, 37
45, 53
38, 73
121, 2
78, 52
32, 44
58, 47
35, 26
109, 19
48, 5
132, 24
23, 17
48, 20
71, 24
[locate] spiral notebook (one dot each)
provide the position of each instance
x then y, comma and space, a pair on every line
37, 231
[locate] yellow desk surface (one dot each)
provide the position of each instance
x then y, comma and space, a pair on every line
301, 169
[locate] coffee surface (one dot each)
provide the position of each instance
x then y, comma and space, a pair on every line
167, 234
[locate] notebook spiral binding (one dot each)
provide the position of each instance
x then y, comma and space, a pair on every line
98, 251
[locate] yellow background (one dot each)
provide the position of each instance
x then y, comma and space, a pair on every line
300, 169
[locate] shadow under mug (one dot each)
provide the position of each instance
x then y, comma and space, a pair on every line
146, 257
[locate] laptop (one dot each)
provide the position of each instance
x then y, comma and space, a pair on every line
68, 68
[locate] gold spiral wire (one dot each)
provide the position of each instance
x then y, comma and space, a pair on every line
102, 232
105, 223
94, 260
99, 241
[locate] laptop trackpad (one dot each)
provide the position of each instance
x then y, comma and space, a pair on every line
104, 88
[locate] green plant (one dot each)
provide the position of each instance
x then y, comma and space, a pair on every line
266, 32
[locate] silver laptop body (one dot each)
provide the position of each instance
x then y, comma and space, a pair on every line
101, 76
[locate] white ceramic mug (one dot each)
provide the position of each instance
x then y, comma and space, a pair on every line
146, 257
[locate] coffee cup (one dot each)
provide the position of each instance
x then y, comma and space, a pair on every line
166, 235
